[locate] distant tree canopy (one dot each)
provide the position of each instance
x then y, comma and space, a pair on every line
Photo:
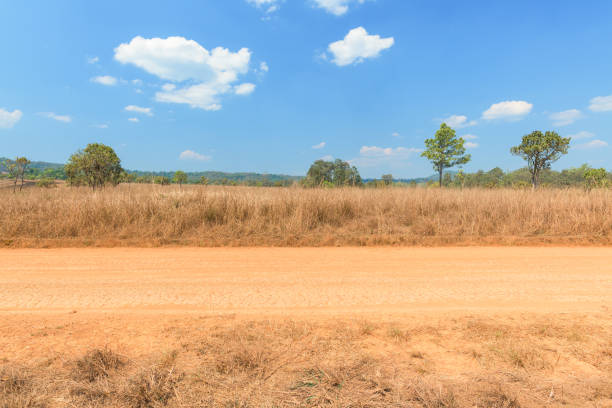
445, 150
540, 150
180, 177
596, 178
337, 173
95, 166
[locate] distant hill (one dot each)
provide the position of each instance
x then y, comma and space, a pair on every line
433, 177
40, 166
219, 175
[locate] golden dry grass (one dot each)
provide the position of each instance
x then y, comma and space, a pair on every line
221, 362
145, 215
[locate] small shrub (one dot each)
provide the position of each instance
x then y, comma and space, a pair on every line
45, 183
96, 364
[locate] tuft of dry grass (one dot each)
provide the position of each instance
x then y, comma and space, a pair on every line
150, 215
18, 389
97, 363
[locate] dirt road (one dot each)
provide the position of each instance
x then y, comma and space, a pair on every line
311, 281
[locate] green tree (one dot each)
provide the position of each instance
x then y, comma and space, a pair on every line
180, 177
387, 179
460, 178
445, 150
95, 166
595, 178
203, 180
161, 180
337, 173
16, 170
540, 150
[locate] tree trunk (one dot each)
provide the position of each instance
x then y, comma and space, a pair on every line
440, 170
534, 180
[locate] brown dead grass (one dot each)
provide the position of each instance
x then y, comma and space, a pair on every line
145, 215
283, 363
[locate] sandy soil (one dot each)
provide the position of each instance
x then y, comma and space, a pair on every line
309, 281
526, 322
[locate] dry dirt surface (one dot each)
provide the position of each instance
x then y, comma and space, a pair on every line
405, 327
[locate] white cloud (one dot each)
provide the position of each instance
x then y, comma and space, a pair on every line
358, 45
100, 126
328, 157
373, 156
601, 104
509, 110
9, 119
137, 82
336, 7
470, 145
93, 60
375, 151
263, 67
566, 117
264, 3
469, 137
135, 120
593, 144
395, 134
244, 89
458, 121
54, 116
105, 80
138, 109
191, 155
208, 74
582, 135
319, 146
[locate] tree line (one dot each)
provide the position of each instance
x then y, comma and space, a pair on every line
97, 165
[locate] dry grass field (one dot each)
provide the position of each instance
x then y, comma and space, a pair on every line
146, 215
306, 327
434, 298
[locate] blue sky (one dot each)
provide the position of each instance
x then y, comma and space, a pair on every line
272, 85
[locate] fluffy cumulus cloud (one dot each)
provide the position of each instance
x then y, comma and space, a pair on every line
593, 144
469, 137
105, 80
458, 121
93, 60
373, 156
470, 145
9, 119
583, 134
357, 46
336, 7
566, 117
244, 89
55, 116
191, 155
601, 104
319, 146
508, 110
375, 151
134, 120
138, 109
201, 77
